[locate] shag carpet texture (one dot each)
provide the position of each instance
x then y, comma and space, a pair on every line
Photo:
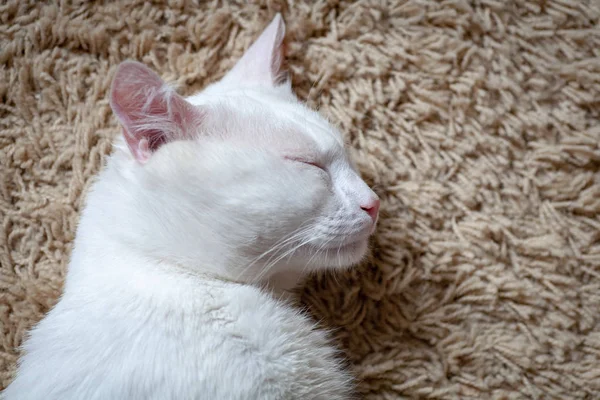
477, 122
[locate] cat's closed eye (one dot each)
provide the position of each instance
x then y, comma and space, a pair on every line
311, 163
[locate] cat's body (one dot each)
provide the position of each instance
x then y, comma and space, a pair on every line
193, 339
205, 208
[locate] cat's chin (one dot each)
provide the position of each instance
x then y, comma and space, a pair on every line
342, 256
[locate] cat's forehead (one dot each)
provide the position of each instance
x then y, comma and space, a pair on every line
308, 126
287, 127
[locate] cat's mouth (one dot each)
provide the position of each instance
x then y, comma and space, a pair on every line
345, 247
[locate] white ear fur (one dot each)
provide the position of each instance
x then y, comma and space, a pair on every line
263, 62
150, 112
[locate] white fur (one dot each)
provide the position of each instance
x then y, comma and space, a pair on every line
169, 290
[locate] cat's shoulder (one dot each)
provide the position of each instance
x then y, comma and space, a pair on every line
250, 304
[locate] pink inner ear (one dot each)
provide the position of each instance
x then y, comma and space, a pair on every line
150, 112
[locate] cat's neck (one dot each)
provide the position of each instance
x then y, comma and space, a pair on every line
116, 275
100, 259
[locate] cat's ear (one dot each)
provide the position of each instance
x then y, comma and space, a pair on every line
263, 62
150, 112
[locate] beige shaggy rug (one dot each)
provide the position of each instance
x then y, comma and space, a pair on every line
477, 122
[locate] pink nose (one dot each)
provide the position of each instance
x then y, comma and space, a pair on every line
372, 208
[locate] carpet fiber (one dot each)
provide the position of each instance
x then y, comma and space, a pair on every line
477, 122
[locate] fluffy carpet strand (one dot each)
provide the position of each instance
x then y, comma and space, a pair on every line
477, 122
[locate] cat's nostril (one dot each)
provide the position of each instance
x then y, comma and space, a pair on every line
372, 208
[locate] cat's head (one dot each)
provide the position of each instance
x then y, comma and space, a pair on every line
242, 175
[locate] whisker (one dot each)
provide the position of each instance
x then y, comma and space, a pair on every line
319, 249
276, 247
286, 254
285, 240
290, 240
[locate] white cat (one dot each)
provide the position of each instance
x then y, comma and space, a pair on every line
207, 205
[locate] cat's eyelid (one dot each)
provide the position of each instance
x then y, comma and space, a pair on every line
305, 161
